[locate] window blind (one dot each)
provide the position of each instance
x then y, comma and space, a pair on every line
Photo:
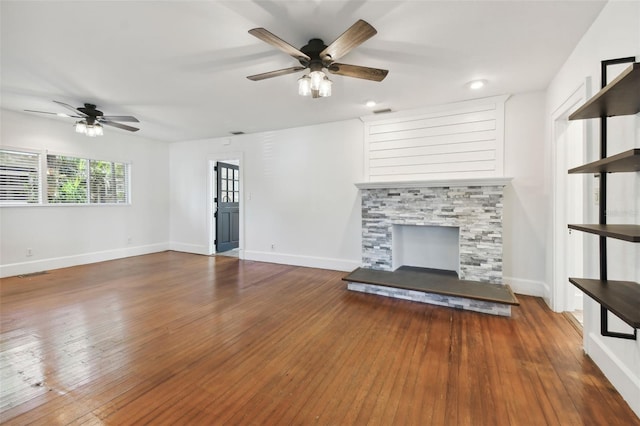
80, 181
19, 177
108, 182
66, 179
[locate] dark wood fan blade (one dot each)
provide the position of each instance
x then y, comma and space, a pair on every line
375, 74
276, 73
276, 41
357, 34
118, 125
125, 118
59, 114
76, 110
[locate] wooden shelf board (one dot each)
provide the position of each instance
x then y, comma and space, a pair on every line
628, 161
621, 232
620, 97
620, 297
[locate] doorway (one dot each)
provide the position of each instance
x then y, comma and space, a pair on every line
569, 205
227, 209
225, 206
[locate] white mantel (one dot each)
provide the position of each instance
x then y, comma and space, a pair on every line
490, 181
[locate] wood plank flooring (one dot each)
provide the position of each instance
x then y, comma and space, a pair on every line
174, 338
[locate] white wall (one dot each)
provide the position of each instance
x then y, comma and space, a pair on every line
303, 199
298, 194
61, 236
616, 33
525, 204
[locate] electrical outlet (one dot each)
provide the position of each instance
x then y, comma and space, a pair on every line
273, 246
129, 240
29, 252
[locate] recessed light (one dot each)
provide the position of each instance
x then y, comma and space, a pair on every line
370, 104
477, 84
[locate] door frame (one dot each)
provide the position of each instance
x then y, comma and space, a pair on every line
211, 195
561, 293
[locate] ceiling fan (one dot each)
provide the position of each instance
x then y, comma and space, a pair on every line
317, 56
91, 119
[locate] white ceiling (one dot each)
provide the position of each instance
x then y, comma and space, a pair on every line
181, 66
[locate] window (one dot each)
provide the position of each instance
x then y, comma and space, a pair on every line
79, 181
108, 182
69, 180
66, 179
19, 177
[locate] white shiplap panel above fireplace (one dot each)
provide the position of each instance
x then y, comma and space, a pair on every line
460, 140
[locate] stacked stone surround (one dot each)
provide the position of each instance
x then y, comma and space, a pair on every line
492, 308
475, 210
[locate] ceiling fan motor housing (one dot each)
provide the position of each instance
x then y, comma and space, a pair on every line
90, 110
312, 50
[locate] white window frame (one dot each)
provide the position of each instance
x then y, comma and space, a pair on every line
43, 183
38, 155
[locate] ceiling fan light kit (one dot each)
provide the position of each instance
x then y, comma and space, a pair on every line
91, 130
316, 84
92, 119
317, 57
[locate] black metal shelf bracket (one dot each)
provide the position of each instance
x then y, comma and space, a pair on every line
604, 327
602, 208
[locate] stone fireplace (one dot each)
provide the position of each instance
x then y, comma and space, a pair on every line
473, 207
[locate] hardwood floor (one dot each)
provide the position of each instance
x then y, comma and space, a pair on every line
173, 338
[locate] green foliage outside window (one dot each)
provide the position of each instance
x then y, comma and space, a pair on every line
70, 181
66, 179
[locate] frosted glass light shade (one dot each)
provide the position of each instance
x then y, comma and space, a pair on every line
316, 79
325, 87
304, 85
81, 127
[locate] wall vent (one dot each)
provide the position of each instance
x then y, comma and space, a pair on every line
382, 111
237, 133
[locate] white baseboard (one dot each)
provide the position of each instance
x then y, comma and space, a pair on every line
620, 376
38, 265
189, 248
526, 287
307, 261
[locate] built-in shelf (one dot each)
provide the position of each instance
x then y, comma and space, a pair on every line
619, 297
621, 232
628, 161
620, 97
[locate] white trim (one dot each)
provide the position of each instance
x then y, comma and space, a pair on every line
394, 116
526, 287
500, 122
559, 283
13, 269
492, 181
620, 376
307, 261
189, 248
